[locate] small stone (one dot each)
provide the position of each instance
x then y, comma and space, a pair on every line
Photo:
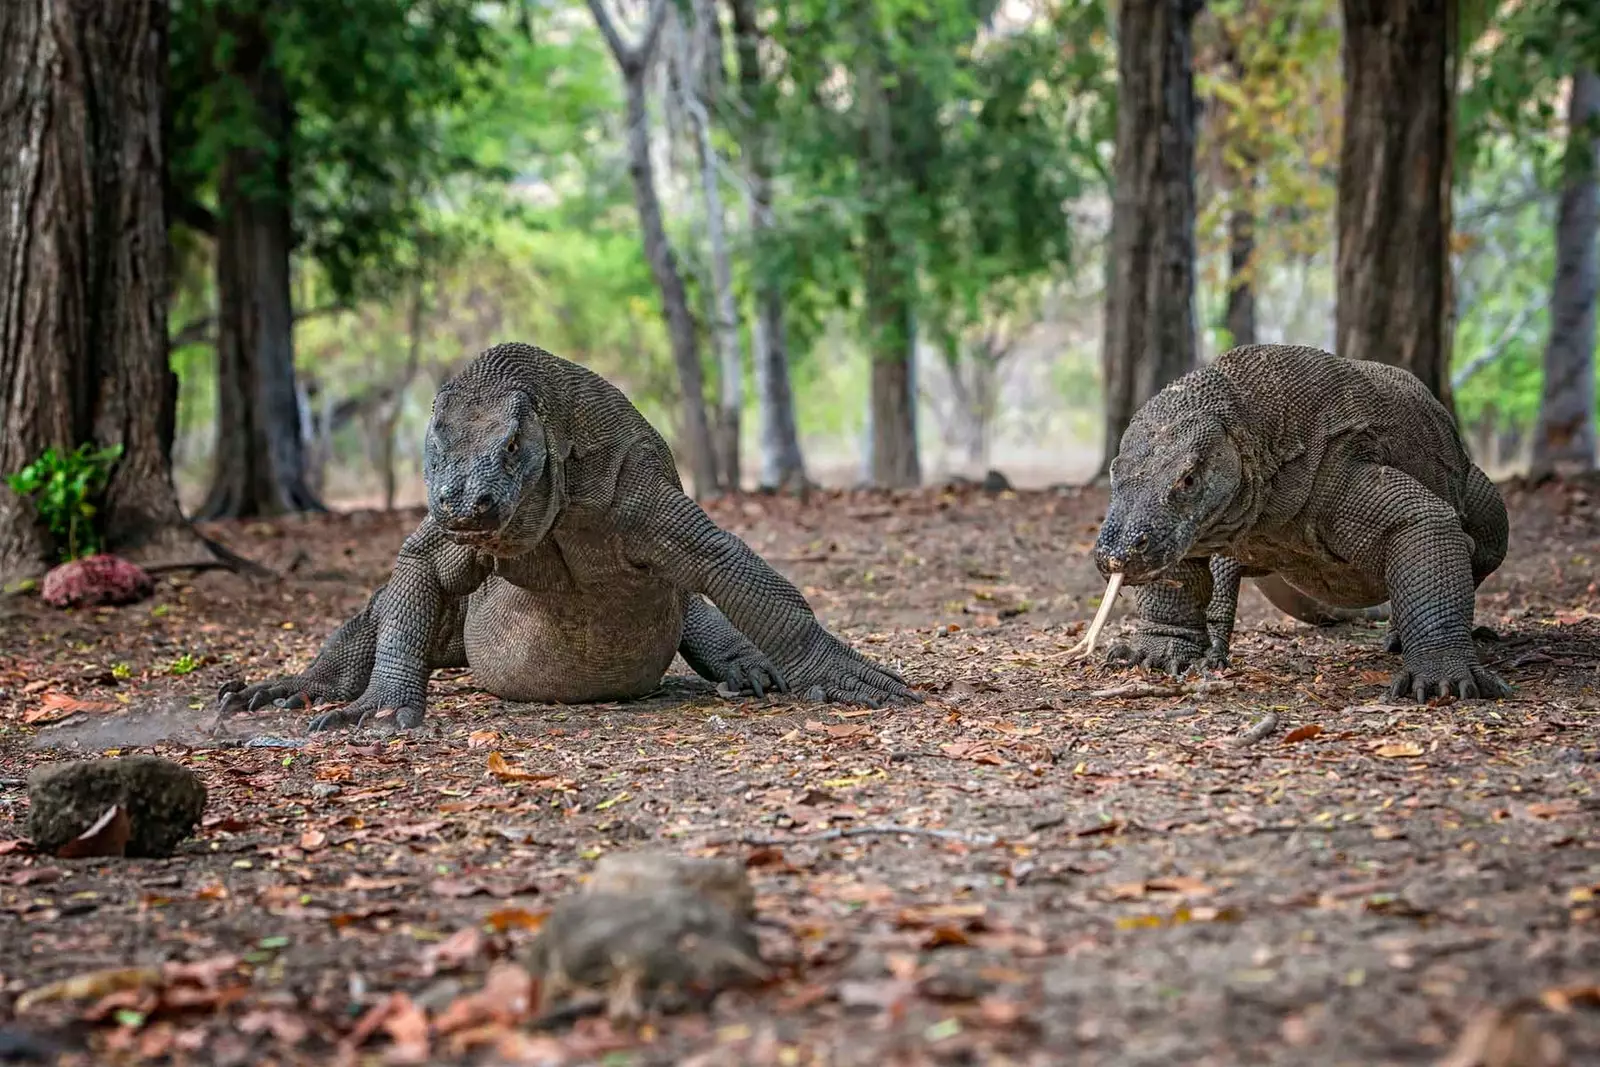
324, 790
163, 802
95, 580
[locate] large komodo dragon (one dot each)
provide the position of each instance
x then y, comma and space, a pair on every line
561, 560
1334, 482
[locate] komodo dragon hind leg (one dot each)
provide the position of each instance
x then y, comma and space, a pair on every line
719, 653
1171, 634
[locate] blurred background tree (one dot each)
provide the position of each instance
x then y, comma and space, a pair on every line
842, 241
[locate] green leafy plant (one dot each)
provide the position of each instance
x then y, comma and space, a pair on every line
184, 664
65, 487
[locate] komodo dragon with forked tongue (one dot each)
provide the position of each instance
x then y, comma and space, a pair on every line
562, 562
1336, 483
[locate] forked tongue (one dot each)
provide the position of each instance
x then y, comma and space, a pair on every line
1086, 645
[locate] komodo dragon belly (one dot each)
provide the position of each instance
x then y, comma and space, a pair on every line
1332, 582
571, 648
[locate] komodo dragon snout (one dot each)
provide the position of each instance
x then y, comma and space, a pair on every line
483, 463
1166, 485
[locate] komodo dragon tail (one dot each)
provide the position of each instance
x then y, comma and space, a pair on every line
1291, 601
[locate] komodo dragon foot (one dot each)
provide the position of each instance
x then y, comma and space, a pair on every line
1176, 650
1445, 673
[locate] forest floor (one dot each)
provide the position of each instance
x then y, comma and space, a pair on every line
1127, 880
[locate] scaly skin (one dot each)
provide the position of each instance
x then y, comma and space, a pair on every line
562, 562
1335, 484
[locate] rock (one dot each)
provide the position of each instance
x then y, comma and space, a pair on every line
95, 580
995, 482
651, 930
162, 801
644, 949
643, 872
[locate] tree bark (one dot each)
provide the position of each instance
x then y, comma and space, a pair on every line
260, 465
1150, 319
782, 462
725, 330
893, 456
1565, 436
83, 266
1394, 186
634, 62
1240, 317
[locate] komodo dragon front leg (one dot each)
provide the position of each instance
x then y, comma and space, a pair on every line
1388, 525
381, 658
667, 533
1172, 632
718, 652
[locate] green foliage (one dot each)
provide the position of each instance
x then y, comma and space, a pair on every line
65, 487
371, 86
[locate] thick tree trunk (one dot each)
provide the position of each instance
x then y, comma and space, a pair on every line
782, 463
259, 467
1565, 435
1150, 323
83, 271
1394, 186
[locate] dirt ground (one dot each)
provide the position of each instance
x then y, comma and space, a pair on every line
1124, 879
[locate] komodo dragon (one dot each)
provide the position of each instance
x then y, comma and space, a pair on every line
1336, 483
561, 560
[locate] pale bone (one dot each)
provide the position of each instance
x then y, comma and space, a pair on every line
1086, 646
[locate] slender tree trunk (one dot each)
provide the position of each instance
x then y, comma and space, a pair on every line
1150, 324
782, 463
1565, 435
391, 411
725, 330
894, 461
83, 266
634, 63
1240, 318
260, 465
1394, 186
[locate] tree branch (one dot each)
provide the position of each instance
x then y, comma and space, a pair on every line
631, 58
1495, 350
202, 330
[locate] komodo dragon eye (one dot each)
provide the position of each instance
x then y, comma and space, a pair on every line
511, 445
1185, 483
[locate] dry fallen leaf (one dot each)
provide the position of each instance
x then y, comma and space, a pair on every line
1398, 749
90, 986
1302, 733
454, 952
507, 773
1496, 1038
107, 837
56, 706
976, 751
312, 840
505, 999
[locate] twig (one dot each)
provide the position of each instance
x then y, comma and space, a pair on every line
1266, 727
1138, 689
12, 783
869, 831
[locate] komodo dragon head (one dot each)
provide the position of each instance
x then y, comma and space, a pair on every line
494, 476
1175, 474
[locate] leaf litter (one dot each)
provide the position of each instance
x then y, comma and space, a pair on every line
1024, 868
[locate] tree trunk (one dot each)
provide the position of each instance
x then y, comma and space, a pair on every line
1240, 319
893, 458
782, 463
1150, 324
391, 411
634, 63
260, 467
83, 266
1565, 435
1394, 186
725, 330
